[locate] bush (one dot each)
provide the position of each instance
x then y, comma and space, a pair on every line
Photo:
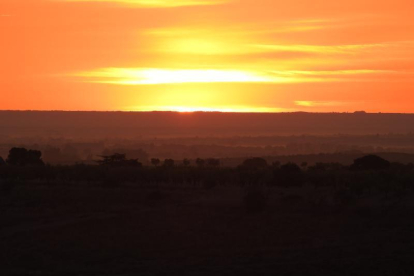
370, 162
288, 175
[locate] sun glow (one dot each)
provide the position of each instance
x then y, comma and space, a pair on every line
191, 109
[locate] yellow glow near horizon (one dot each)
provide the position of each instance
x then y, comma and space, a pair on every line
191, 109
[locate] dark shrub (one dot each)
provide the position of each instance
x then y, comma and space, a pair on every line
186, 162
255, 163
119, 160
200, 162
155, 161
24, 157
370, 162
289, 175
212, 162
169, 163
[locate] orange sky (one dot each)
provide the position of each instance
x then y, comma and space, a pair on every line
227, 55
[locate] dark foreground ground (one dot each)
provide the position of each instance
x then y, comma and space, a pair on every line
69, 230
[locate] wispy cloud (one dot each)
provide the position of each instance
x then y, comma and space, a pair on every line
150, 76
251, 41
158, 3
323, 49
318, 103
155, 76
331, 73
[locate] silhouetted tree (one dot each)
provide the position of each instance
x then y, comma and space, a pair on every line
255, 163
186, 162
276, 164
169, 163
200, 162
2, 162
370, 162
288, 175
113, 159
23, 157
212, 162
155, 161
319, 167
119, 160
138, 154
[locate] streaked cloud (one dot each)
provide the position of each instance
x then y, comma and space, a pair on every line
158, 3
322, 49
152, 76
156, 76
331, 73
318, 103
253, 40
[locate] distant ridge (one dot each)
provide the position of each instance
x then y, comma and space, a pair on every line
203, 123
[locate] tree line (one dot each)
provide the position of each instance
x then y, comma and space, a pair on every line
366, 173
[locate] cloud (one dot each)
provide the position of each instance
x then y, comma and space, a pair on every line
156, 76
158, 3
319, 49
251, 41
151, 76
331, 73
318, 103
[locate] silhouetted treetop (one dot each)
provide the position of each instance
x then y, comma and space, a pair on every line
290, 168
132, 153
370, 162
118, 159
2, 162
212, 162
186, 162
200, 162
255, 163
155, 161
288, 175
169, 163
24, 157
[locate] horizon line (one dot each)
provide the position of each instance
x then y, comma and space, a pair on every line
201, 111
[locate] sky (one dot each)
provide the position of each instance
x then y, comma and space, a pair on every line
207, 55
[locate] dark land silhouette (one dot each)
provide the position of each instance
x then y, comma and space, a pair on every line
112, 193
200, 217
